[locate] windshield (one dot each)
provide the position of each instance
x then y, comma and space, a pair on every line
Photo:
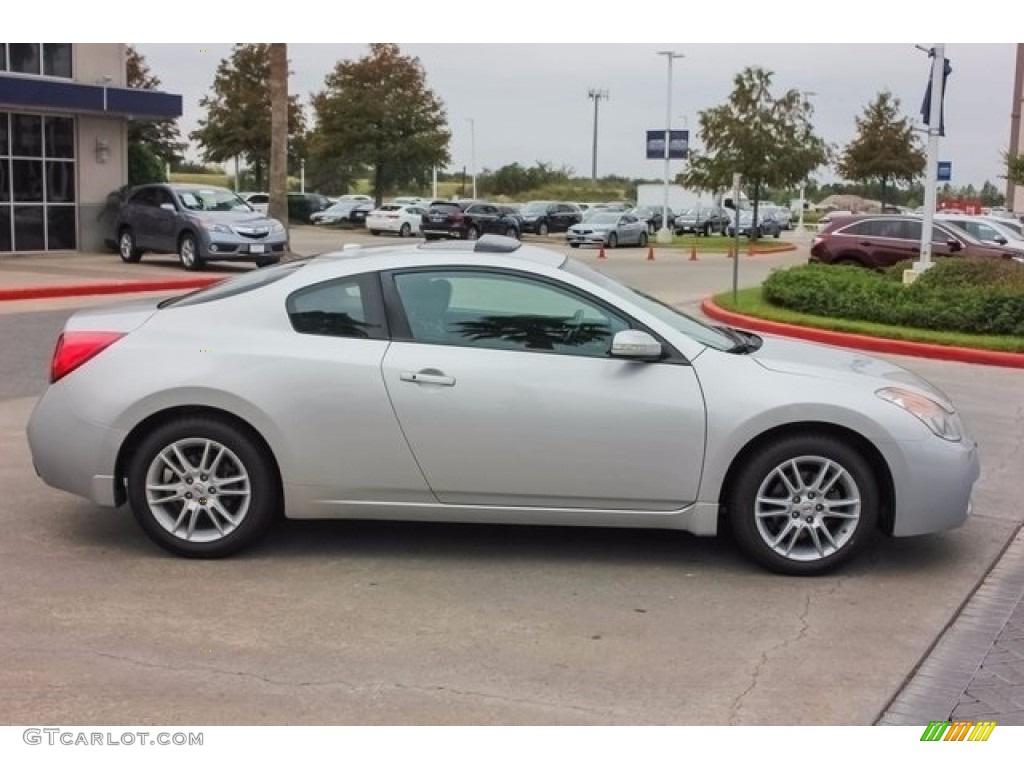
685, 324
604, 218
535, 207
212, 200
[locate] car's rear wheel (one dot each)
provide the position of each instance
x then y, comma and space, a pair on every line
574, 245
803, 504
706, 230
512, 232
542, 229
374, 232
188, 252
200, 487
643, 239
405, 230
613, 240
126, 247
472, 233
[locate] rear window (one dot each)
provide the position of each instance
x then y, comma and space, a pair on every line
235, 286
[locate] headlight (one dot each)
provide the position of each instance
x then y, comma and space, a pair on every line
276, 226
944, 423
212, 226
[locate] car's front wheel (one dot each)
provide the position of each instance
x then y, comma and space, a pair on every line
188, 252
472, 233
126, 247
643, 240
542, 229
613, 240
200, 487
405, 230
803, 504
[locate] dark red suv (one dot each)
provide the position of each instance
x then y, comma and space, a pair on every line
879, 241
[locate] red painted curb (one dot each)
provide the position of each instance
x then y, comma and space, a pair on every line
102, 289
869, 343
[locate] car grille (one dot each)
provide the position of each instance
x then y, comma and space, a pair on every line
252, 231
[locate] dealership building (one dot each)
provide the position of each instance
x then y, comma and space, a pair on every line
64, 112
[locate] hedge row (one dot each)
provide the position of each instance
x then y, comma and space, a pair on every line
965, 295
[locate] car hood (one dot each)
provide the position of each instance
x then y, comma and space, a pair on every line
248, 218
800, 358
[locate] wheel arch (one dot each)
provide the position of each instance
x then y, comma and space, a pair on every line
167, 415
877, 462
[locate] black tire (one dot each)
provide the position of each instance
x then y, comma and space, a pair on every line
472, 233
126, 247
374, 232
613, 240
643, 239
760, 476
707, 230
405, 230
542, 229
269, 262
574, 245
188, 253
244, 456
512, 232
431, 237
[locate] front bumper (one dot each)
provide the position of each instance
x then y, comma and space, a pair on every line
220, 245
933, 480
589, 238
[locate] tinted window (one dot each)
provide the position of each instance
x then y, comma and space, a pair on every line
349, 307
234, 286
57, 59
500, 311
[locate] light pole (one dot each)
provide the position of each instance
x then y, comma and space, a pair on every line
596, 95
665, 233
472, 151
803, 182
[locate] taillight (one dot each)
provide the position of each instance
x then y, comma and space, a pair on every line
75, 348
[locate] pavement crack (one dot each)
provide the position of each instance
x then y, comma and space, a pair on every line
766, 655
373, 688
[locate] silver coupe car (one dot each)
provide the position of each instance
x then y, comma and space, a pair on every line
487, 381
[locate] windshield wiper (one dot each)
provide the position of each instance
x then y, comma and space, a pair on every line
743, 342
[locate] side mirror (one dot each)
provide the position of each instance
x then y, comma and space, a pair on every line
1001, 240
167, 207
954, 245
636, 345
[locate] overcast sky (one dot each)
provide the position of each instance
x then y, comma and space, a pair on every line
528, 102
522, 70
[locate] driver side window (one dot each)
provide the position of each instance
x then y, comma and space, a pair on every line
492, 310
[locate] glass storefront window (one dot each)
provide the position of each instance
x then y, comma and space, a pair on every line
57, 59
27, 176
60, 137
60, 227
26, 135
60, 181
29, 231
24, 58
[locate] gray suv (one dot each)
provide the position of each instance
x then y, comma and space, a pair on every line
199, 223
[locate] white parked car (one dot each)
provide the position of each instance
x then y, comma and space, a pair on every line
403, 220
258, 201
420, 201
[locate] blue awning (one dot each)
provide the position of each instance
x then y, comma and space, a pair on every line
65, 96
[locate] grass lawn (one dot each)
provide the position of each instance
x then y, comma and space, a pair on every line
717, 243
750, 302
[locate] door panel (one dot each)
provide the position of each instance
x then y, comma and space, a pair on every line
502, 427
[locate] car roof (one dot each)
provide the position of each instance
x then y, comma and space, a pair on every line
462, 251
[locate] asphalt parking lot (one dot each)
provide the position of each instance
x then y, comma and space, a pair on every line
387, 623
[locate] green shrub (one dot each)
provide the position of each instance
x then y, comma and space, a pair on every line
964, 295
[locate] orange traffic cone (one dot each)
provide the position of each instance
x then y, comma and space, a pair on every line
730, 254
751, 250
693, 253
650, 253
600, 253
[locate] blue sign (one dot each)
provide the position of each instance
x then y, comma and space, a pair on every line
678, 145
945, 170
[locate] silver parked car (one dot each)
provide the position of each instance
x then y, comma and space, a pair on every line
199, 223
611, 228
487, 381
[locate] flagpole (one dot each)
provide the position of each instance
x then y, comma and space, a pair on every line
931, 168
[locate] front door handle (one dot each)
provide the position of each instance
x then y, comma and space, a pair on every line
428, 376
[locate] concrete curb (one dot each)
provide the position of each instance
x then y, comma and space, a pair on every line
101, 289
869, 343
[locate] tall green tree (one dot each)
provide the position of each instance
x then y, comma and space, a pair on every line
990, 195
377, 115
769, 140
886, 149
152, 144
1014, 168
238, 111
